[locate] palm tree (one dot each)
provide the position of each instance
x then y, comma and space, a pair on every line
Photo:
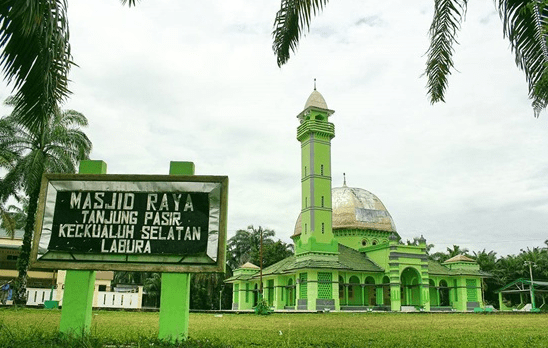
35, 57
456, 250
13, 217
153, 287
55, 146
245, 243
525, 24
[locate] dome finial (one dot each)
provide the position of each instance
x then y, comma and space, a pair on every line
314, 83
344, 179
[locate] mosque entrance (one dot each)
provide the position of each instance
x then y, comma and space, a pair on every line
370, 299
290, 293
386, 291
256, 295
354, 292
444, 293
410, 287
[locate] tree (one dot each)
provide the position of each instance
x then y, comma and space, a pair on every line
272, 253
35, 57
55, 146
153, 287
525, 24
245, 243
13, 217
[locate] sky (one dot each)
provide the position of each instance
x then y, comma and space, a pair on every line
174, 80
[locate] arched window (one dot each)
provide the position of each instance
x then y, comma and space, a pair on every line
323, 228
323, 201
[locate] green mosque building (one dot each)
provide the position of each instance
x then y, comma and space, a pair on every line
348, 254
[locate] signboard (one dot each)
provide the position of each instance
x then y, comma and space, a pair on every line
157, 223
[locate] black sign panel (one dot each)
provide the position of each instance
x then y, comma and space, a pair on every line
130, 222
156, 223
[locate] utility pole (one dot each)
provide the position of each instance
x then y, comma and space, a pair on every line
261, 275
532, 292
221, 297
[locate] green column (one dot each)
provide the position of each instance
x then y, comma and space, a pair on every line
80, 284
175, 293
380, 295
395, 297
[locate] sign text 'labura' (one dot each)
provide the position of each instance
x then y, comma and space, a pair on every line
130, 222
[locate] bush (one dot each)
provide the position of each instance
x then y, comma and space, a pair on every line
263, 308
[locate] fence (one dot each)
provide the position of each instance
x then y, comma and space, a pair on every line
104, 299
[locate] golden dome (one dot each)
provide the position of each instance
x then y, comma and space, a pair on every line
356, 208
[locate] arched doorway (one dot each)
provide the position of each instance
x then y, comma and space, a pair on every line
342, 292
370, 296
410, 287
354, 292
434, 300
256, 295
386, 290
444, 293
290, 292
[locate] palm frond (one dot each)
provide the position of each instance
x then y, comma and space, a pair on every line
129, 2
293, 17
8, 222
525, 24
448, 16
35, 57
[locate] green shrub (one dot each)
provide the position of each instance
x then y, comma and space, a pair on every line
263, 308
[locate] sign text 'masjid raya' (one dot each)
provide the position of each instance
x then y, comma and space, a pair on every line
130, 222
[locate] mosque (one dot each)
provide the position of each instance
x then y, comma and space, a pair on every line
348, 254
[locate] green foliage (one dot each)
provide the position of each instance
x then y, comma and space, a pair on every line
504, 269
525, 24
245, 246
262, 307
35, 57
56, 146
205, 289
448, 16
272, 253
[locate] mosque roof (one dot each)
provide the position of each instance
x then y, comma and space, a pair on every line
348, 259
356, 208
316, 100
249, 265
460, 258
436, 268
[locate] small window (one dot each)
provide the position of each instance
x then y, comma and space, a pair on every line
374, 242
323, 228
364, 242
322, 201
306, 202
305, 228
305, 171
12, 257
102, 288
321, 169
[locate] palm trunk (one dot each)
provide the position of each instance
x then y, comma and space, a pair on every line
20, 296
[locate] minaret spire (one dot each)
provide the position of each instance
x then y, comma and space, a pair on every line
315, 133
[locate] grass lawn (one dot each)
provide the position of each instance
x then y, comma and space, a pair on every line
31, 327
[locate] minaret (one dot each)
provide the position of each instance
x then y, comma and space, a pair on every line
315, 133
